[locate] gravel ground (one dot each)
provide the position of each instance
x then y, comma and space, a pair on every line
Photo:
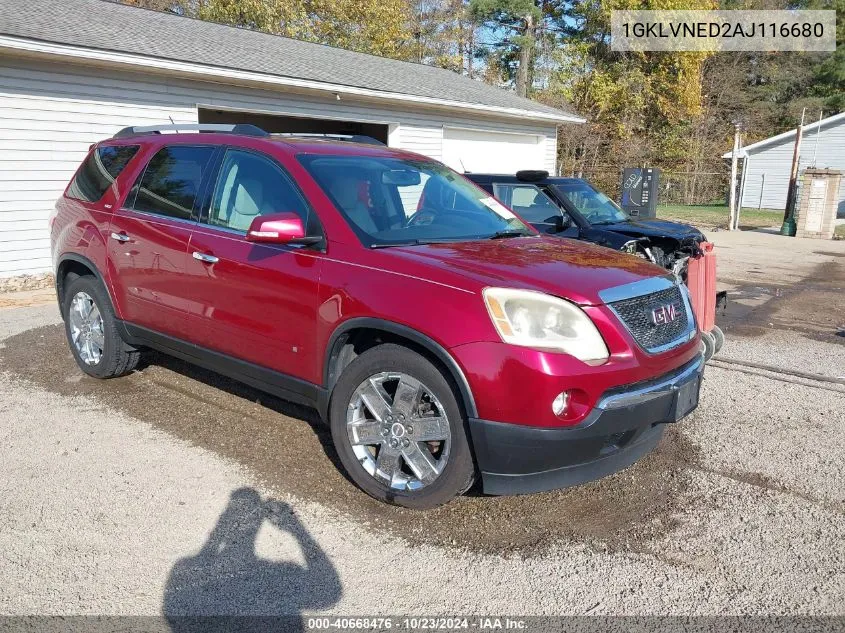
174, 491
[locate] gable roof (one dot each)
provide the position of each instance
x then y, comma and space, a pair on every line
754, 147
108, 31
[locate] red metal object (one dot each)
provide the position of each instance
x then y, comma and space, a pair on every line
701, 280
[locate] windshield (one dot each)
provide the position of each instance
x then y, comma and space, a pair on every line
596, 207
393, 201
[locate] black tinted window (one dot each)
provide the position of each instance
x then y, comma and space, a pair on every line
99, 170
171, 181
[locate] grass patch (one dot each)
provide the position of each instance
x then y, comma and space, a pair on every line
709, 216
839, 232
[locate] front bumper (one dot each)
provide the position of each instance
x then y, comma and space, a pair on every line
625, 425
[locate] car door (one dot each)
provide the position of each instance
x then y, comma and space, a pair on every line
149, 236
254, 302
536, 207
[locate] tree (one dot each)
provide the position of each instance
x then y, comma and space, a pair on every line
516, 24
640, 106
445, 35
379, 27
169, 6
829, 72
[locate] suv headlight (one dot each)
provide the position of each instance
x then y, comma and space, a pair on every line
534, 319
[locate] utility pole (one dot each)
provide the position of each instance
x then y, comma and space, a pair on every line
733, 220
788, 227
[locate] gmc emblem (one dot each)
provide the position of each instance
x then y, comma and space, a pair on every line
664, 314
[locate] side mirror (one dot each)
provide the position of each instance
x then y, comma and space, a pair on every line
279, 228
562, 222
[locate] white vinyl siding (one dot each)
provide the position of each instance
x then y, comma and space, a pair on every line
493, 151
768, 167
427, 140
51, 113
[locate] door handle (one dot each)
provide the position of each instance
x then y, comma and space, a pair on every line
120, 237
203, 257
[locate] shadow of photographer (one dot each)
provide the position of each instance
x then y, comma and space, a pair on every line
227, 587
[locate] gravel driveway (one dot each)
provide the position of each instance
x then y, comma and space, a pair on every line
176, 491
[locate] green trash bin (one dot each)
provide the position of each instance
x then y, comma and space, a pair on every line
788, 227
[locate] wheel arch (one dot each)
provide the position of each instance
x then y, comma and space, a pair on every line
370, 330
73, 263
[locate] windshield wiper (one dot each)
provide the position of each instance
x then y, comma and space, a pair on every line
392, 244
500, 235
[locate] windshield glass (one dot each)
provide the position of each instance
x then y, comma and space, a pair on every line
596, 207
392, 201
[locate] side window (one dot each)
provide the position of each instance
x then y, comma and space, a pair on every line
250, 185
528, 201
99, 171
171, 181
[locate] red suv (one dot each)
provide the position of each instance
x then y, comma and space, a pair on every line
440, 336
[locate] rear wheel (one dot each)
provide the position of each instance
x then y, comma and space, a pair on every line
398, 429
91, 330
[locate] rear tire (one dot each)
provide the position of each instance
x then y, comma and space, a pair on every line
91, 329
381, 437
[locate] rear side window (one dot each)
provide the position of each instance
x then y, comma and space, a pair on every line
99, 171
171, 181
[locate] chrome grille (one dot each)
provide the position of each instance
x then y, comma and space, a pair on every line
637, 314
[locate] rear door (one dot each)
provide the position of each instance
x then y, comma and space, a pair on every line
255, 302
149, 237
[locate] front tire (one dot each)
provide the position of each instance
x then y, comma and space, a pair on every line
91, 329
398, 429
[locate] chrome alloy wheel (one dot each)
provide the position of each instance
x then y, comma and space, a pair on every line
86, 328
399, 431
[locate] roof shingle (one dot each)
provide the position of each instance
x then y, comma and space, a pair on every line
110, 26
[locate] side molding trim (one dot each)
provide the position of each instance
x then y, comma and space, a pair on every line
267, 380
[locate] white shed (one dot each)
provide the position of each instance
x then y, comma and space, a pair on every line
75, 72
767, 163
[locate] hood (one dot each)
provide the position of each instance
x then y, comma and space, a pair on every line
562, 267
653, 228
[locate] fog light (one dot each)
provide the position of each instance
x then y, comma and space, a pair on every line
560, 403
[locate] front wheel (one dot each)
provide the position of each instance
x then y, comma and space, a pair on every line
398, 429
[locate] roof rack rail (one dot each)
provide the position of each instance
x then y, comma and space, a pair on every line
350, 138
243, 129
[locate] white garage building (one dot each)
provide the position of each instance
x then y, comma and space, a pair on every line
77, 71
767, 163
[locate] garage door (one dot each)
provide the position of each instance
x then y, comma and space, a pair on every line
497, 152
